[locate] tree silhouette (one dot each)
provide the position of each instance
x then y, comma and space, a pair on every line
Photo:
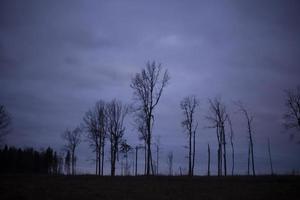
28, 161
249, 119
95, 123
231, 143
292, 115
208, 160
72, 139
5, 121
115, 113
148, 87
188, 105
217, 118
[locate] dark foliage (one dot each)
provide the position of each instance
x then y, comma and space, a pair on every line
17, 160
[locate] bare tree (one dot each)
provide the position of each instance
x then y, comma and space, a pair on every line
115, 113
292, 115
249, 119
95, 123
188, 105
217, 118
231, 143
170, 163
73, 139
148, 87
5, 121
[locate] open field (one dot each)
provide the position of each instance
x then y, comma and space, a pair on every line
44, 187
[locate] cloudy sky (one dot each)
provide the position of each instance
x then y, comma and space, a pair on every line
57, 58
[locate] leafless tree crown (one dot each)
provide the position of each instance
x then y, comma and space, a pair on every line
217, 118
148, 87
190, 124
95, 124
115, 113
292, 115
73, 139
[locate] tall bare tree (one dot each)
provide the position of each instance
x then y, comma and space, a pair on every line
72, 139
170, 163
148, 87
95, 123
217, 119
189, 105
249, 119
5, 121
115, 113
231, 144
292, 115
90, 125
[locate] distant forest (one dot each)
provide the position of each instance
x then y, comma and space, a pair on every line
17, 160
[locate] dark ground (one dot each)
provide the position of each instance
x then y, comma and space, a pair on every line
43, 187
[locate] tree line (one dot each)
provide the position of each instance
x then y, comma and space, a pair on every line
17, 160
103, 127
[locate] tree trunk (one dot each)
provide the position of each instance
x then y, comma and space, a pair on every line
251, 146
102, 167
96, 162
113, 167
73, 161
112, 160
157, 158
148, 145
232, 148
190, 154
220, 159
99, 159
194, 151
249, 152
224, 150
219, 152
145, 162
252, 157
151, 161
270, 158
136, 159
126, 166
208, 163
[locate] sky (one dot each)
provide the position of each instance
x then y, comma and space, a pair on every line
57, 58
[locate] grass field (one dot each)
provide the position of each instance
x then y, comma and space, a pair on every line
44, 187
